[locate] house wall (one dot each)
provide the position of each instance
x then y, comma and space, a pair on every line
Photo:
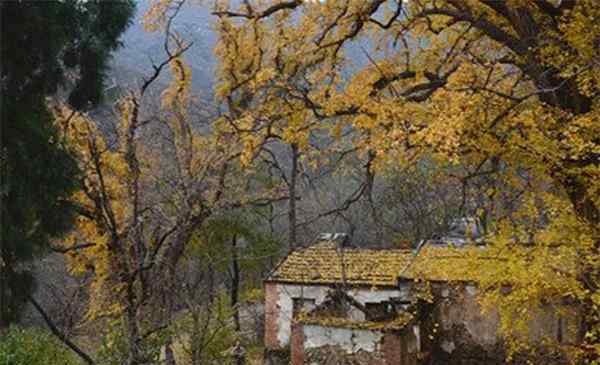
401, 348
349, 340
465, 335
279, 306
297, 344
459, 307
324, 344
271, 315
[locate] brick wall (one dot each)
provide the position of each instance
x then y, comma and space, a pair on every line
399, 348
271, 315
392, 349
297, 344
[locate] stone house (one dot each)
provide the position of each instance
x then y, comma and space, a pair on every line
334, 304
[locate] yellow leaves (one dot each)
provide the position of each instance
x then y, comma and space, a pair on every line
292, 136
222, 90
250, 145
359, 89
574, 47
337, 131
365, 122
254, 295
156, 16
264, 75
176, 96
333, 103
539, 267
579, 136
105, 196
485, 108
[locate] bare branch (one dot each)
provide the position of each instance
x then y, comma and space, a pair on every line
285, 5
58, 333
72, 248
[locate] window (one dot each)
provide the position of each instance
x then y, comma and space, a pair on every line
302, 304
379, 311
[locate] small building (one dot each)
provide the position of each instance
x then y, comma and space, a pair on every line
334, 304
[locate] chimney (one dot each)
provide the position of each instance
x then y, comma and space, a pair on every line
341, 239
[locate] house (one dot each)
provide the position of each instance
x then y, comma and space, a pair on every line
334, 304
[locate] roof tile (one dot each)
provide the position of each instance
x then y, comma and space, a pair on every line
325, 263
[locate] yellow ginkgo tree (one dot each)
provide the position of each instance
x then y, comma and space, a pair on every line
508, 87
145, 191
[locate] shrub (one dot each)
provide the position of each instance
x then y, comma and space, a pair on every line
33, 346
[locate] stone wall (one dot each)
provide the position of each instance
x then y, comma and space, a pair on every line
455, 331
279, 306
331, 345
457, 306
334, 355
458, 332
349, 340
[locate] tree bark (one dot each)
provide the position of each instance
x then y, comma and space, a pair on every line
3, 301
235, 283
169, 355
133, 333
292, 240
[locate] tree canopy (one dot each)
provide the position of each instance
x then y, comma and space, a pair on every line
509, 88
46, 48
499, 94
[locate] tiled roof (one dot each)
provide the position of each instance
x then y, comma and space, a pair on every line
400, 321
322, 264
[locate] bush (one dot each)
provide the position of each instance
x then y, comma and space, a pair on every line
33, 346
113, 350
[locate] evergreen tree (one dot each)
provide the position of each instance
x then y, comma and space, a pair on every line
44, 46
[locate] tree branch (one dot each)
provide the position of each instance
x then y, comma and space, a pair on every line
61, 336
290, 5
72, 248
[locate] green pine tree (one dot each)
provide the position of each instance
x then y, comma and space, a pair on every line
44, 46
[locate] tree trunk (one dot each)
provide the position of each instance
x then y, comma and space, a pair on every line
5, 294
292, 241
235, 283
585, 208
168, 303
133, 333
590, 276
235, 287
169, 355
59, 334
195, 339
3, 301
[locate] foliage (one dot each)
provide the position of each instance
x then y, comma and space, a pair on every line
419, 201
254, 295
143, 197
114, 348
211, 243
33, 346
206, 333
501, 94
66, 42
507, 89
